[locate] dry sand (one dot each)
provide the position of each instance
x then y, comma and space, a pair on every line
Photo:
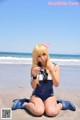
6, 98
15, 83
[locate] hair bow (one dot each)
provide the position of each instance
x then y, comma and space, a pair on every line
46, 44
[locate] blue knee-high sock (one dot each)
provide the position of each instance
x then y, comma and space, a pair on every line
19, 104
66, 105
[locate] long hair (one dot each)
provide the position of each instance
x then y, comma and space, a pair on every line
39, 49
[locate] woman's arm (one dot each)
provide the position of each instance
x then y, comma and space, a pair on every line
55, 73
34, 83
56, 76
34, 73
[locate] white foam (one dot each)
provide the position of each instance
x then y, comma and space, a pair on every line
66, 61
15, 60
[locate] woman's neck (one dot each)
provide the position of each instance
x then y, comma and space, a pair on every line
44, 65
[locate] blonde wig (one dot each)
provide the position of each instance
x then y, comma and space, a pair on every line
39, 49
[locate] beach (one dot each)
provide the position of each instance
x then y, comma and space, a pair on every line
15, 83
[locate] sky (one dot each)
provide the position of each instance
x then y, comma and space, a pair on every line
25, 23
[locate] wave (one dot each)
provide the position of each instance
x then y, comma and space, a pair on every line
66, 61
15, 60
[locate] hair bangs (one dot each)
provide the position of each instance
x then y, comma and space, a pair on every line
40, 50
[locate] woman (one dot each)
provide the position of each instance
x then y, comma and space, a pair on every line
45, 75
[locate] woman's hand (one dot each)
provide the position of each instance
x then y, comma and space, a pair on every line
35, 71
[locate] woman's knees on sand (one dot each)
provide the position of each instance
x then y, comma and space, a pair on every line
39, 111
51, 112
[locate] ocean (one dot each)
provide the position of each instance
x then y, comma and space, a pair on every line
26, 58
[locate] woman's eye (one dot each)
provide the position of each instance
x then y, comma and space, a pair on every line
39, 56
44, 54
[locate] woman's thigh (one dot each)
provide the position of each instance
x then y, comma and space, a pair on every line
51, 106
37, 104
37, 101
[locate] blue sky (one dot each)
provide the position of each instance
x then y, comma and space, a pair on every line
25, 23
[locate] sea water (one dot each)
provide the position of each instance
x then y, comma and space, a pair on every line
26, 58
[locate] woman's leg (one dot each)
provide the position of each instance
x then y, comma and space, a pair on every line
35, 106
51, 106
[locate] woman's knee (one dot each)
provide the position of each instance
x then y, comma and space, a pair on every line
51, 111
38, 106
39, 111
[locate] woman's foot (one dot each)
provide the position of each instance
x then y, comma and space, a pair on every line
19, 103
66, 105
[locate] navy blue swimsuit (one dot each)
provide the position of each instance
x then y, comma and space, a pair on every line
44, 90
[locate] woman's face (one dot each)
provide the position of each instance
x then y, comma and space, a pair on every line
42, 58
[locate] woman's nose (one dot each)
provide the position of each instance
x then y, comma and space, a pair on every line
42, 57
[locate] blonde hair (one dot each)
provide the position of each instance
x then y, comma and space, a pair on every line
39, 49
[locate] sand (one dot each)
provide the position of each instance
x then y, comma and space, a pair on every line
18, 86
9, 96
